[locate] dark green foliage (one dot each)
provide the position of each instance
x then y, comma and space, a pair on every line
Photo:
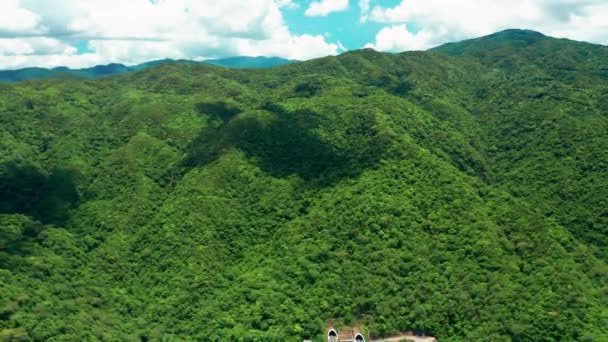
460, 192
25, 190
222, 110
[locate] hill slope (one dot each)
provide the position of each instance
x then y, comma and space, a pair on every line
461, 192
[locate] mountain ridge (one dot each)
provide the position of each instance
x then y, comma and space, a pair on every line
32, 73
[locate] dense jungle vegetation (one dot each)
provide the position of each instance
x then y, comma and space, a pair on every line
461, 192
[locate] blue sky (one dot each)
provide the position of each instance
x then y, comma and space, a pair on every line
344, 26
82, 33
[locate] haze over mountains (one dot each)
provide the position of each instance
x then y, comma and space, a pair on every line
98, 71
461, 192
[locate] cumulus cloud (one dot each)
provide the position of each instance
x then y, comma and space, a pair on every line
397, 38
289, 4
443, 21
15, 20
324, 7
364, 7
135, 31
295, 47
34, 46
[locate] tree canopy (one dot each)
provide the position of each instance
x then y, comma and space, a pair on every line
461, 192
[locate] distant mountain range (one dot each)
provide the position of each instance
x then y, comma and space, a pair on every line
97, 71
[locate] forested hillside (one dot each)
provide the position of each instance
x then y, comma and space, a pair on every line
461, 192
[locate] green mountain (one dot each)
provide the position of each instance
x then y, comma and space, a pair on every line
26, 74
460, 192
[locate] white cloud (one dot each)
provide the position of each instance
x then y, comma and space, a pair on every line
324, 7
289, 4
364, 6
300, 47
15, 19
455, 20
135, 31
397, 38
590, 25
34, 46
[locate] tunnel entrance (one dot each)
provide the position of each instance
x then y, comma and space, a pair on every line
332, 336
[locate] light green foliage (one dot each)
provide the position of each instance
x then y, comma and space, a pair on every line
460, 192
